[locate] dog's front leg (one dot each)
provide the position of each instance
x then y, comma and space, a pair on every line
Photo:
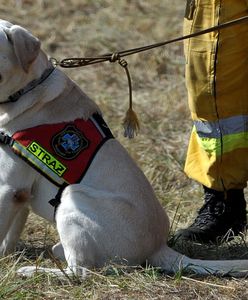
11, 202
9, 243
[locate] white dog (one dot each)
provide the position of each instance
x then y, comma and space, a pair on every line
110, 213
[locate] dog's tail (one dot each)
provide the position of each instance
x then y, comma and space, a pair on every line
172, 262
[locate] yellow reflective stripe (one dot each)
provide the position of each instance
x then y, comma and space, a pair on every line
47, 158
231, 142
38, 164
235, 141
210, 145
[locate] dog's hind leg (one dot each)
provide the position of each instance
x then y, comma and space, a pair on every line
73, 270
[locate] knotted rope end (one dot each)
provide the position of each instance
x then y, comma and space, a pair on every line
131, 124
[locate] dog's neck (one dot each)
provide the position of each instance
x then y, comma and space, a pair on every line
30, 86
56, 99
40, 95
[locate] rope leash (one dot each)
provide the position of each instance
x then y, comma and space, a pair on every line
131, 123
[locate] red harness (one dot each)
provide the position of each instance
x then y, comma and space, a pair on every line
61, 152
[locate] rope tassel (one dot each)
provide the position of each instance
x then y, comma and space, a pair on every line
130, 122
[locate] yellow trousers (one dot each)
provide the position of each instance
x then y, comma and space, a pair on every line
217, 84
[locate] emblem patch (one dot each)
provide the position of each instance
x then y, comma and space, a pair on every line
69, 142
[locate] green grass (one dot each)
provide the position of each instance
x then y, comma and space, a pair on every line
83, 27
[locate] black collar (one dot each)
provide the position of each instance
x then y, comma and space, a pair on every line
30, 86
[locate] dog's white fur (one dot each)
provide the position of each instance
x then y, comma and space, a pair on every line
113, 214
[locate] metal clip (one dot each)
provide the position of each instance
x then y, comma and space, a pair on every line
5, 139
54, 61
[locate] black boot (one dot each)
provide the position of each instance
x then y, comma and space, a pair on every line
221, 213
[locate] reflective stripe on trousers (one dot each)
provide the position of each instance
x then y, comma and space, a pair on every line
231, 133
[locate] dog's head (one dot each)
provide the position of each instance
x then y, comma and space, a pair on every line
18, 52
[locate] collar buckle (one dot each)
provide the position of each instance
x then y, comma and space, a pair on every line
5, 139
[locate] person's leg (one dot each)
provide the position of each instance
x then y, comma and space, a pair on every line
216, 79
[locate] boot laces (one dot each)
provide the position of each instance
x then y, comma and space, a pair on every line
212, 210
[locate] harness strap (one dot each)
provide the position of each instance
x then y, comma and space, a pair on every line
55, 202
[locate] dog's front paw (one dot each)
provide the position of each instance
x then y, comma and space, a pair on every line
26, 271
2, 251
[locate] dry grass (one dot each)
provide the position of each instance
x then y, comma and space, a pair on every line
83, 27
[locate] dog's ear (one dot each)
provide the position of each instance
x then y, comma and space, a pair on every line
26, 46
